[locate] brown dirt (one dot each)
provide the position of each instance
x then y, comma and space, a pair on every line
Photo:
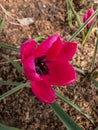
22, 109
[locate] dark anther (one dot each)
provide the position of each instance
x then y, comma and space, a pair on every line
41, 65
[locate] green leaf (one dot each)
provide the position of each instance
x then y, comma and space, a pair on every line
39, 39
75, 106
69, 12
94, 55
15, 64
13, 48
64, 117
95, 74
4, 127
70, 17
13, 90
87, 34
1, 24
79, 70
9, 83
95, 82
76, 15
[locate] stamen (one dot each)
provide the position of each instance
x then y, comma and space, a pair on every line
41, 65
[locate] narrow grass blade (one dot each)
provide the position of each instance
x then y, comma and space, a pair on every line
4, 127
13, 48
95, 82
1, 24
83, 26
87, 34
64, 117
13, 90
75, 106
75, 13
15, 64
95, 52
70, 17
76, 16
69, 12
79, 70
9, 83
95, 74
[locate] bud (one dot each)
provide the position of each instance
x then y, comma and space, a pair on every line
87, 15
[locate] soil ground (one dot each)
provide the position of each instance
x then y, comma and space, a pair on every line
22, 109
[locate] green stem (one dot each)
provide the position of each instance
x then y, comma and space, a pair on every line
95, 52
1, 24
69, 12
87, 34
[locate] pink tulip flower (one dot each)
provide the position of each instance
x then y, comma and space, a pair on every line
47, 65
87, 15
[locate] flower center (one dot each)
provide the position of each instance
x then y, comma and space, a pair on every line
41, 65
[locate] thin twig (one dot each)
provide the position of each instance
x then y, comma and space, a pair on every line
15, 23
12, 16
7, 13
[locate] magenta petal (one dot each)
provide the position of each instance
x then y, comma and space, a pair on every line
45, 46
55, 49
85, 18
87, 15
60, 73
29, 69
68, 50
43, 91
27, 49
